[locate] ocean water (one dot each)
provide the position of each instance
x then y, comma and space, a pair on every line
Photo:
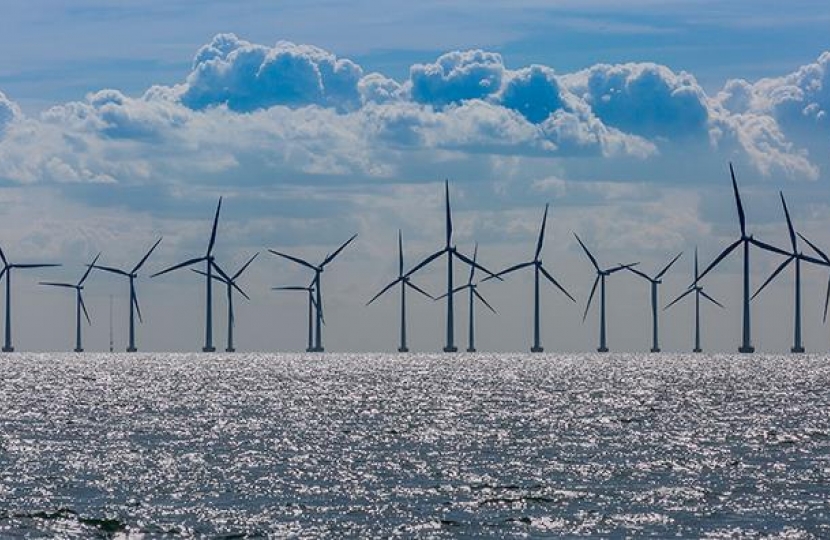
513, 446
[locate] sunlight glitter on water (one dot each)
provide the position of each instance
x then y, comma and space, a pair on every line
414, 445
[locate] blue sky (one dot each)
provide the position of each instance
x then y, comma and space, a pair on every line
122, 122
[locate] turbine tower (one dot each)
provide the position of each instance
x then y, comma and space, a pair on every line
7, 271
318, 270
312, 305
451, 252
473, 288
655, 282
133, 303
230, 285
699, 292
79, 301
538, 269
405, 282
745, 240
210, 266
797, 256
600, 279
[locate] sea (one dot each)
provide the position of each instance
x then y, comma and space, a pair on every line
152, 445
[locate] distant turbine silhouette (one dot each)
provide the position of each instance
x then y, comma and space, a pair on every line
473, 288
210, 266
318, 270
7, 271
698, 290
79, 301
600, 279
451, 252
655, 281
230, 285
538, 269
745, 239
405, 282
133, 303
797, 256
312, 305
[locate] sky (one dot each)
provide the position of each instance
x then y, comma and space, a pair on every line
122, 123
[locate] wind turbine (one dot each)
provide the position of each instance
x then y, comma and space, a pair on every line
600, 279
79, 301
451, 252
538, 269
318, 270
699, 292
745, 240
230, 284
405, 282
655, 281
473, 288
210, 265
7, 271
826, 259
312, 305
131, 275
797, 256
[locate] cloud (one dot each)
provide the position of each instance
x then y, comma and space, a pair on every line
457, 76
645, 99
245, 77
9, 112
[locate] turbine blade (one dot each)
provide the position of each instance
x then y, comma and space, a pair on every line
588, 253
89, 269
666, 268
3, 271
221, 272
541, 240
623, 267
473, 263
556, 283
420, 290
244, 267
213, 230
696, 266
239, 290
294, 288
511, 269
426, 262
295, 259
706, 296
448, 211
454, 291
768, 247
378, 295
338, 250
400, 254
473, 268
807, 258
719, 258
590, 298
180, 265
826, 301
111, 270
679, 298
35, 265
789, 223
213, 276
741, 216
478, 295
54, 284
816, 249
772, 276
3, 257
137, 308
641, 274
83, 307
146, 256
